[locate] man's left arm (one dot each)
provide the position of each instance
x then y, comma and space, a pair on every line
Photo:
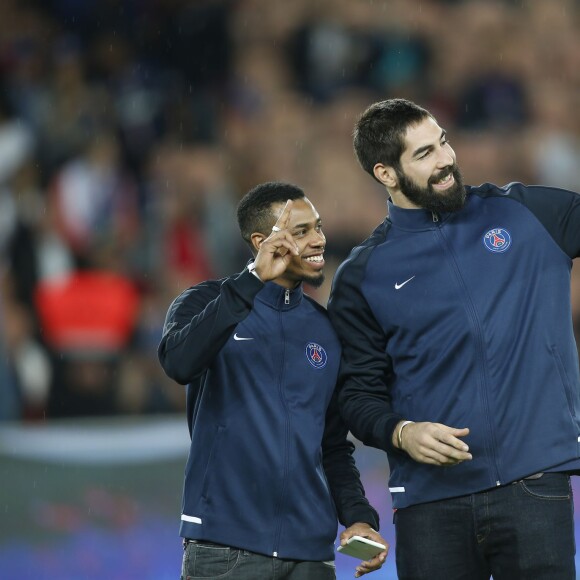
353, 508
557, 209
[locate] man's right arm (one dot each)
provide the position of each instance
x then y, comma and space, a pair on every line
364, 398
200, 321
364, 394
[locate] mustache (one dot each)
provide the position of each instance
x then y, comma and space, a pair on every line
443, 173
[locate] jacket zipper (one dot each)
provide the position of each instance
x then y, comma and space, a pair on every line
287, 296
480, 351
278, 531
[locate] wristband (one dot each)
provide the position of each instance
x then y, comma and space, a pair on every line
400, 433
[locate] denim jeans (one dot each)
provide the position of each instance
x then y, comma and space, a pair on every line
208, 560
524, 530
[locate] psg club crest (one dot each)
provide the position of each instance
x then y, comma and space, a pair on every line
497, 240
316, 355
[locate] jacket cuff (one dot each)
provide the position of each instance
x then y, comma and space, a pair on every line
366, 515
390, 426
248, 283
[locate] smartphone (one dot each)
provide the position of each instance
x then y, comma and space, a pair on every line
361, 548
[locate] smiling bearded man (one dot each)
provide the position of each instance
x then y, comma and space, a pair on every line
459, 360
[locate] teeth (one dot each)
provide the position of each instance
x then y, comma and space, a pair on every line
445, 179
314, 258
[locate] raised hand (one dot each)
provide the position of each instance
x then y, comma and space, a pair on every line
277, 249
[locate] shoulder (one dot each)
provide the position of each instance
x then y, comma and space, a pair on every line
204, 291
545, 202
359, 255
516, 190
319, 319
349, 277
206, 287
315, 306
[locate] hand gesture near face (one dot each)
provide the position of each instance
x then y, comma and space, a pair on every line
277, 249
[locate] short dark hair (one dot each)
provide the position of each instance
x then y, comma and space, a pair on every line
379, 133
255, 208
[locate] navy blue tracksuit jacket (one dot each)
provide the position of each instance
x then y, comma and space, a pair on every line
270, 468
464, 319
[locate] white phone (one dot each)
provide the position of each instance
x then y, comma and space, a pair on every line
361, 548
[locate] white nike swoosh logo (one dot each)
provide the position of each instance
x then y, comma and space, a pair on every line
236, 337
398, 286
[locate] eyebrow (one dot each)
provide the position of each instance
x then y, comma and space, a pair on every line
306, 224
425, 148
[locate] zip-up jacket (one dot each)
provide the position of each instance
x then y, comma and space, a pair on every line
270, 468
465, 319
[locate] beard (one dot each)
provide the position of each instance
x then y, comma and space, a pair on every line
314, 281
453, 199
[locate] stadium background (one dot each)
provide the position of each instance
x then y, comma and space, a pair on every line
129, 129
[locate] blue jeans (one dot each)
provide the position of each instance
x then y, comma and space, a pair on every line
207, 560
524, 530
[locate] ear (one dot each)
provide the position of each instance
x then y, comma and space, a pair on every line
386, 175
257, 238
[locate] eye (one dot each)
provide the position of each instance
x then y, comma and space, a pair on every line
424, 155
299, 233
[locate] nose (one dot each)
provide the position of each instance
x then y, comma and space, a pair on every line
445, 158
319, 239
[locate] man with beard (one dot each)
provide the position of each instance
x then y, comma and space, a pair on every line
459, 358
270, 468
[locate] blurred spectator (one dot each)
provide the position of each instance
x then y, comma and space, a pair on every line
10, 397
87, 320
494, 95
96, 205
30, 364
79, 108
128, 132
554, 139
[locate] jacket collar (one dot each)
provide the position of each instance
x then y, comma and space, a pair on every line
276, 296
415, 219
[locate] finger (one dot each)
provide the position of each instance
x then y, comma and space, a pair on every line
284, 246
360, 571
451, 453
284, 218
454, 443
450, 436
374, 563
454, 450
460, 432
281, 239
440, 456
366, 567
344, 536
432, 458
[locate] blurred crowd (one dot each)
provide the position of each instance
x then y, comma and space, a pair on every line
129, 130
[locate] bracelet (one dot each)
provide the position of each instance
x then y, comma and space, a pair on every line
400, 433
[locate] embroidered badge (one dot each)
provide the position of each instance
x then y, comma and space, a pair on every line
316, 355
497, 240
